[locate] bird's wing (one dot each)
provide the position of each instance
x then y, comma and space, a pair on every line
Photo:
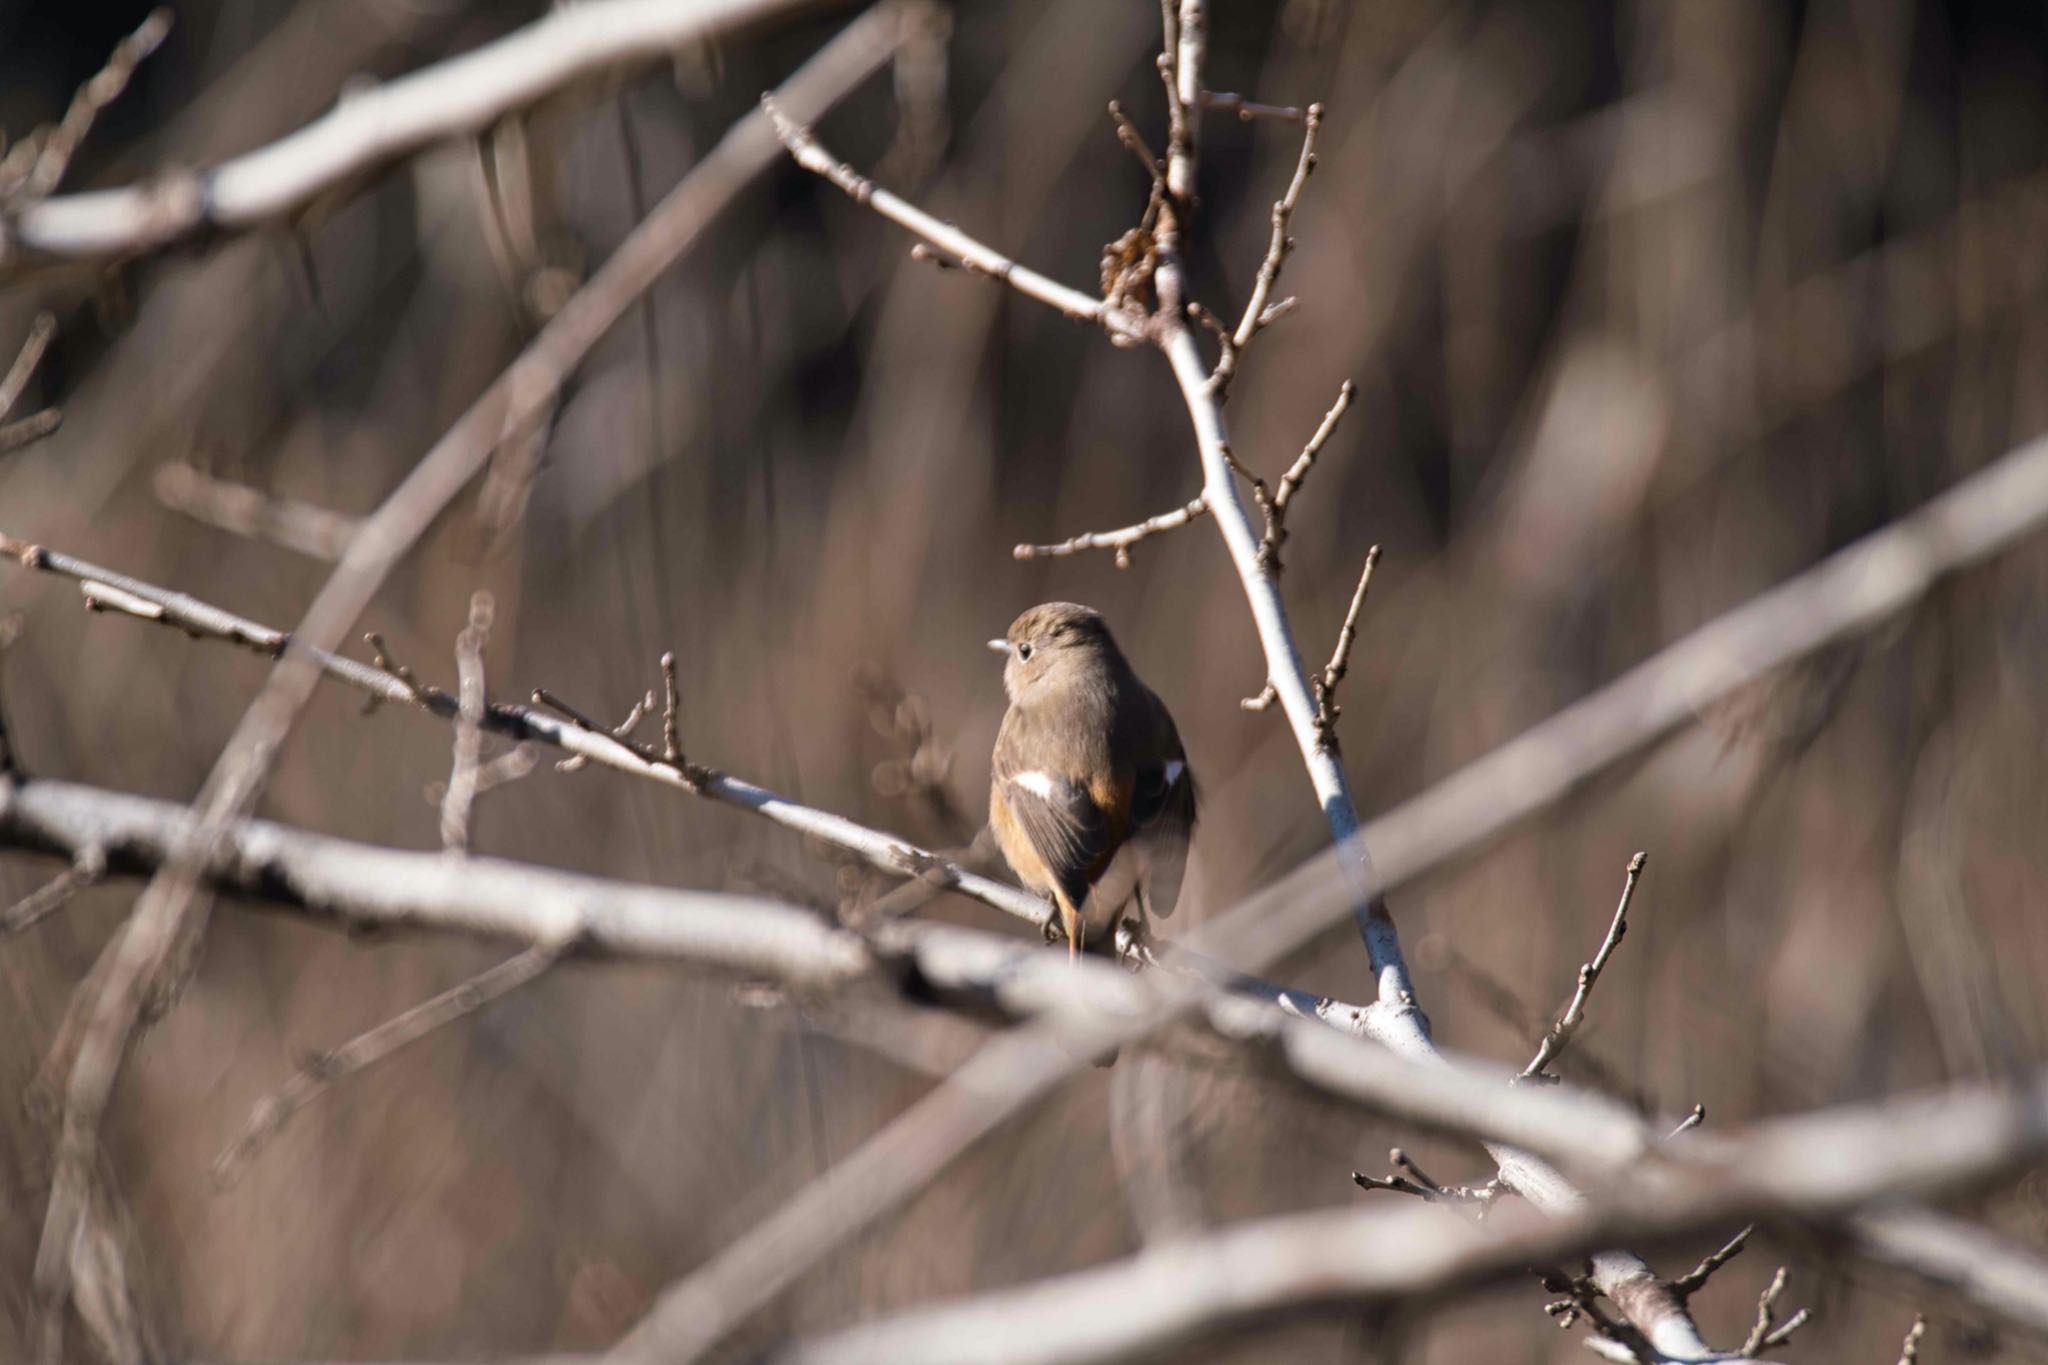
1162, 818
1068, 831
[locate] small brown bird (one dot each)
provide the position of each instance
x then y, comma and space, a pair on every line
1091, 799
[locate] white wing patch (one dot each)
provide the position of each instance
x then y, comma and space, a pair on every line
1041, 785
1174, 768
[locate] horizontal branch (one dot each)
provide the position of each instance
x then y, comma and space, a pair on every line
363, 887
1120, 540
1818, 1168
365, 132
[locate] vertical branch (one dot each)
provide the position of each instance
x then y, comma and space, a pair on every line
460, 798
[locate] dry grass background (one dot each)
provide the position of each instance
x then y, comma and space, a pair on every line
1650, 304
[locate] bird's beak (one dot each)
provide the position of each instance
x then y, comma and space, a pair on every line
999, 646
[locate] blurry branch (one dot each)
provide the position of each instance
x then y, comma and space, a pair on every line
365, 889
586, 741
1768, 1331
39, 424
1120, 541
1974, 1263
87, 867
1567, 1025
1691, 1121
322, 1069
244, 511
1816, 1169
152, 956
35, 165
1909, 1349
463, 782
1221, 102
366, 131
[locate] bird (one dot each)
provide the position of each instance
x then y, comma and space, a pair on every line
1091, 799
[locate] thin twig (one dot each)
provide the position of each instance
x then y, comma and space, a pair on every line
55, 149
1290, 482
1278, 245
1325, 683
1694, 1280
943, 237
1909, 1350
671, 726
1692, 1120
1763, 1333
323, 1069
385, 662
1574, 1015
1128, 134
87, 867
1120, 540
1222, 102
40, 333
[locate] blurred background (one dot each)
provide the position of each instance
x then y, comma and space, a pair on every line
1650, 304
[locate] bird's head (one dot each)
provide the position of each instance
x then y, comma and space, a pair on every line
1052, 645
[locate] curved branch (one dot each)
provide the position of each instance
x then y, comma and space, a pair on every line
464, 94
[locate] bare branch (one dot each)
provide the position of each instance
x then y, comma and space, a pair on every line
1765, 1332
458, 97
86, 868
37, 425
40, 333
1909, 1349
940, 236
671, 727
1694, 1280
1692, 1120
1325, 683
244, 511
1221, 102
1278, 245
1120, 540
53, 150
1560, 1035
460, 797
34, 427
1128, 134
1290, 482
323, 1069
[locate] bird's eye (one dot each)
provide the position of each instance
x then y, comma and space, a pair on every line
1024, 651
